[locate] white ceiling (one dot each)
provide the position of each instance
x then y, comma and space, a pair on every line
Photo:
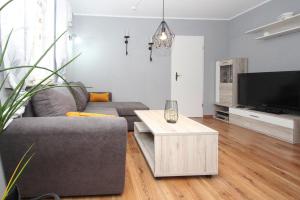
182, 9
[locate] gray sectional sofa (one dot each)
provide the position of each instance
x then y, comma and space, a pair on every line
74, 156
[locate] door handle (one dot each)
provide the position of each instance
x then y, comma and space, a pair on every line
177, 76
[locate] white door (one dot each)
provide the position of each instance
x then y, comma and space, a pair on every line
187, 61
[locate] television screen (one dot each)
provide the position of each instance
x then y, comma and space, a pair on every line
279, 90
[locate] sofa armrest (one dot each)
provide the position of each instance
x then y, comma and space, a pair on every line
109, 93
74, 156
63, 125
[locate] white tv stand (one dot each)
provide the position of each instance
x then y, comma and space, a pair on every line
283, 127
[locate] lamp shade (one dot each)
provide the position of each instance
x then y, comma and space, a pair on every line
163, 37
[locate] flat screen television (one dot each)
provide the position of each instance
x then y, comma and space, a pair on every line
276, 92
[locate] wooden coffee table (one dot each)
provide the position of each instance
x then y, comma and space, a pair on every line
186, 148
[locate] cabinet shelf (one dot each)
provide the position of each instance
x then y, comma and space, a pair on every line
223, 111
221, 119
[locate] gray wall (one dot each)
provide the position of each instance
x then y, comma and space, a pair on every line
277, 54
104, 66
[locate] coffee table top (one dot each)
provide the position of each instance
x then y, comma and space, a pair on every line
155, 121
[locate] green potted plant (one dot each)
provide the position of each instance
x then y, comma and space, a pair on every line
18, 98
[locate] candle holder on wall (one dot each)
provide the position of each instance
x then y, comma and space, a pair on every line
150, 49
126, 43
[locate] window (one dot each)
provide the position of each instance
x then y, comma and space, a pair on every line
35, 28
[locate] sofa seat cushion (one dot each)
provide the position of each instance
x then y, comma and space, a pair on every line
53, 102
130, 121
101, 110
123, 108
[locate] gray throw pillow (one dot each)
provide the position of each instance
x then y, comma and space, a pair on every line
84, 90
80, 97
53, 102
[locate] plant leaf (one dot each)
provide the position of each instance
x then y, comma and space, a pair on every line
20, 172
5, 48
4, 5
15, 173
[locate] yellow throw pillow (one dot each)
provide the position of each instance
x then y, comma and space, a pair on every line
99, 97
83, 114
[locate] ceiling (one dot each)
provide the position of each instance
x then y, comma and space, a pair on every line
178, 9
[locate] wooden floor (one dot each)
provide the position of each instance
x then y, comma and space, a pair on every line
251, 166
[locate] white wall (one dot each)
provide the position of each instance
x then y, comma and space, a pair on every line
104, 66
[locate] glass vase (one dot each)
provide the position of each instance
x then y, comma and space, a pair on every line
171, 111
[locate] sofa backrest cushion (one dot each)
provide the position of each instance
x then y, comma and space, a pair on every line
83, 88
53, 102
29, 112
79, 96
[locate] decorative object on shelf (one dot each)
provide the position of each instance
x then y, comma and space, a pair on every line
126, 41
163, 36
171, 111
266, 33
150, 48
285, 16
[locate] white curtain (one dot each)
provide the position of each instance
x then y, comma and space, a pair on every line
39, 35
35, 25
34, 30
64, 45
15, 55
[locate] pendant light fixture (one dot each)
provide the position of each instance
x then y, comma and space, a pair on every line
163, 37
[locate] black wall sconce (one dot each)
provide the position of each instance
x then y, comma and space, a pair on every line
150, 47
126, 41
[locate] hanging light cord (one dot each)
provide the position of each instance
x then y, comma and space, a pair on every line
163, 10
